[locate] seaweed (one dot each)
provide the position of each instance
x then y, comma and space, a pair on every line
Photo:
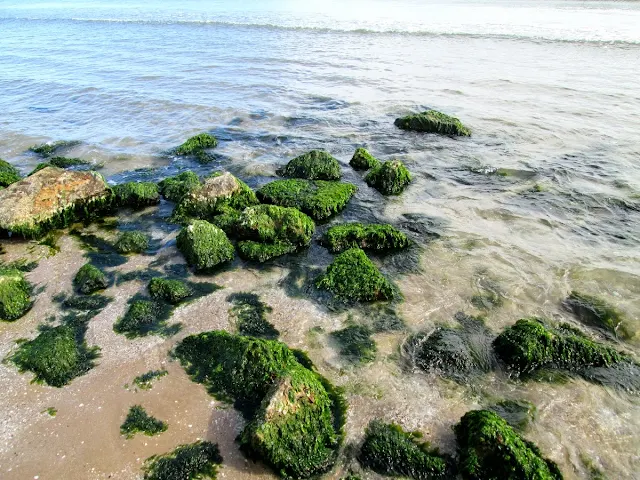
363, 160
251, 316
197, 144
356, 344
176, 188
90, 279
263, 252
171, 291
204, 245
194, 461
145, 317
139, 421
432, 121
517, 413
145, 381
8, 174
313, 165
15, 294
595, 312
373, 236
132, 242
66, 162
389, 178
136, 195
93, 302
50, 148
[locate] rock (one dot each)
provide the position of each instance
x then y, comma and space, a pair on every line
8, 174
51, 198
176, 188
595, 312
90, 279
172, 291
517, 413
433, 121
355, 343
363, 160
192, 461
389, 178
204, 245
15, 294
313, 165
136, 194
132, 242
488, 448
197, 144
373, 236
319, 199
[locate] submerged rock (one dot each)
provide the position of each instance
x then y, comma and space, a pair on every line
51, 198
15, 294
251, 316
296, 417
389, 178
313, 165
132, 242
433, 121
352, 276
139, 421
8, 174
595, 312
373, 236
390, 451
488, 449
355, 343
363, 160
319, 199
517, 413
90, 279
204, 245
176, 188
192, 461
50, 148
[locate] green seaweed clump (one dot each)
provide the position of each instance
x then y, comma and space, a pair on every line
389, 178
171, 291
319, 199
295, 415
197, 144
356, 343
363, 160
15, 294
489, 449
145, 381
136, 194
597, 313
313, 165
132, 242
90, 279
389, 450
176, 188
66, 162
204, 245
144, 317
375, 237
8, 174
251, 316
56, 356
352, 276
48, 149
433, 121
138, 420
263, 252
517, 413
194, 461
530, 345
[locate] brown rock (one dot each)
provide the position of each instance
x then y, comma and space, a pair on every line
222, 186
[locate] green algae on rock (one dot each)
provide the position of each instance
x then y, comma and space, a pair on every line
389, 178
530, 345
363, 160
446, 351
296, 416
355, 343
489, 449
263, 252
136, 194
132, 242
197, 144
204, 245
595, 312
50, 148
171, 291
56, 356
90, 279
67, 162
145, 381
8, 174
390, 451
145, 317
313, 165
15, 294
139, 421
194, 461
52, 198
176, 188
373, 236
432, 121
319, 199
352, 276
517, 413
251, 316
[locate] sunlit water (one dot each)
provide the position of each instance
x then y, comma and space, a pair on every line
550, 90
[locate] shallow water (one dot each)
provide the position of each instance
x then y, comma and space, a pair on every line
550, 91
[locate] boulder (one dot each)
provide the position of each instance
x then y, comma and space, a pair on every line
204, 245
363, 160
313, 165
433, 121
389, 178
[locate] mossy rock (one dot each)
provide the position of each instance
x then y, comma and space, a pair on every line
389, 178
136, 194
489, 449
90, 279
171, 291
433, 121
132, 242
15, 294
363, 160
84, 302
55, 356
295, 416
352, 276
193, 461
355, 343
139, 421
251, 316
390, 451
50, 148
204, 245
176, 188
263, 252
595, 312
530, 345
8, 174
446, 351
373, 236
313, 165
197, 144
319, 199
